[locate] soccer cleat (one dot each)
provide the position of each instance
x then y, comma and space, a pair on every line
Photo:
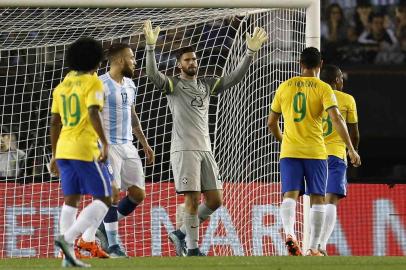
293, 246
313, 252
71, 261
93, 248
101, 235
178, 240
322, 251
195, 252
115, 251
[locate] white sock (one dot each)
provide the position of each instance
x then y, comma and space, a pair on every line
288, 214
192, 230
328, 226
67, 218
203, 212
317, 214
89, 234
120, 216
91, 215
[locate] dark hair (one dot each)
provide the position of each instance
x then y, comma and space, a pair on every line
331, 7
116, 48
375, 15
85, 54
184, 50
310, 57
329, 73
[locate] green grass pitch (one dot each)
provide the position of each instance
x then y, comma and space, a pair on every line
221, 263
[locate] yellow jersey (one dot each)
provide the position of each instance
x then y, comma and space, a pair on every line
302, 101
334, 144
71, 100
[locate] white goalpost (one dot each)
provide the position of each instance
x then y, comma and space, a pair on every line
34, 36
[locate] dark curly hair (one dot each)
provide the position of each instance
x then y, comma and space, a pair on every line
310, 57
85, 54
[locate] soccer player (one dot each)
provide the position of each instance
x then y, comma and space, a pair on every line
337, 161
120, 122
75, 129
302, 100
194, 168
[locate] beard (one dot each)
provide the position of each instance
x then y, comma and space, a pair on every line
190, 71
127, 72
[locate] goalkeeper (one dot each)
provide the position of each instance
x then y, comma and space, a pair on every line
194, 168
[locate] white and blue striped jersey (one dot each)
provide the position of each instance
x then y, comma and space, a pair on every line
118, 100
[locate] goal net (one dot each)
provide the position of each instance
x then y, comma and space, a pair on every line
33, 42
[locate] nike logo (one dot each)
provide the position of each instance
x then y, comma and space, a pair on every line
194, 227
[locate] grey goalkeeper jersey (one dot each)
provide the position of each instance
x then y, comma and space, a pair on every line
189, 102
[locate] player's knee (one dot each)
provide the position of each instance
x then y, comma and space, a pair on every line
137, 195
72, 200
316, 199
332, 198
106, 200
191, 203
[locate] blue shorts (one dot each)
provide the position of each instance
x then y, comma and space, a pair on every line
84, 177
337, 176
295, 171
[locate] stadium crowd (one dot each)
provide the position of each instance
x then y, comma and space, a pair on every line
364, 31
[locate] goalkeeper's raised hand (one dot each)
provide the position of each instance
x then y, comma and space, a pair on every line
151, 35
255, 41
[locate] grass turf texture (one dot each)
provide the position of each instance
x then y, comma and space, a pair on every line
221, 263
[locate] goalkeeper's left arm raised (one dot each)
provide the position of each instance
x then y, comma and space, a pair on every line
254, 43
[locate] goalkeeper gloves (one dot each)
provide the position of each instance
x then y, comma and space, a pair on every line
255, 42
151, 35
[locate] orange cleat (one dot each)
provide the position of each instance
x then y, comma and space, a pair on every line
313, 252
293, 246
93, 248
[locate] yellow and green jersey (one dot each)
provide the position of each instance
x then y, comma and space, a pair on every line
302, 101
334, 144
71, 100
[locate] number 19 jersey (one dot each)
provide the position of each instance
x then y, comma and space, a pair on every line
302, 101
71, 100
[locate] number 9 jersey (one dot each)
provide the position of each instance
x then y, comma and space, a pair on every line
71, 100
302, 101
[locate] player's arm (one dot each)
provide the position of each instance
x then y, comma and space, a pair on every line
161, 81
254, 43
96, 122
354, 134
273, 125
352, 123
137, 130
341, 128
55, 130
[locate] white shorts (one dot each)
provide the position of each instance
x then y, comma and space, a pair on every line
127, 166
195, 171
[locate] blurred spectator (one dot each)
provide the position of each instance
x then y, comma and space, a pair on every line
11, 159
400, 29
361, 16
353, 52
334, 28
378, 35
380, 40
